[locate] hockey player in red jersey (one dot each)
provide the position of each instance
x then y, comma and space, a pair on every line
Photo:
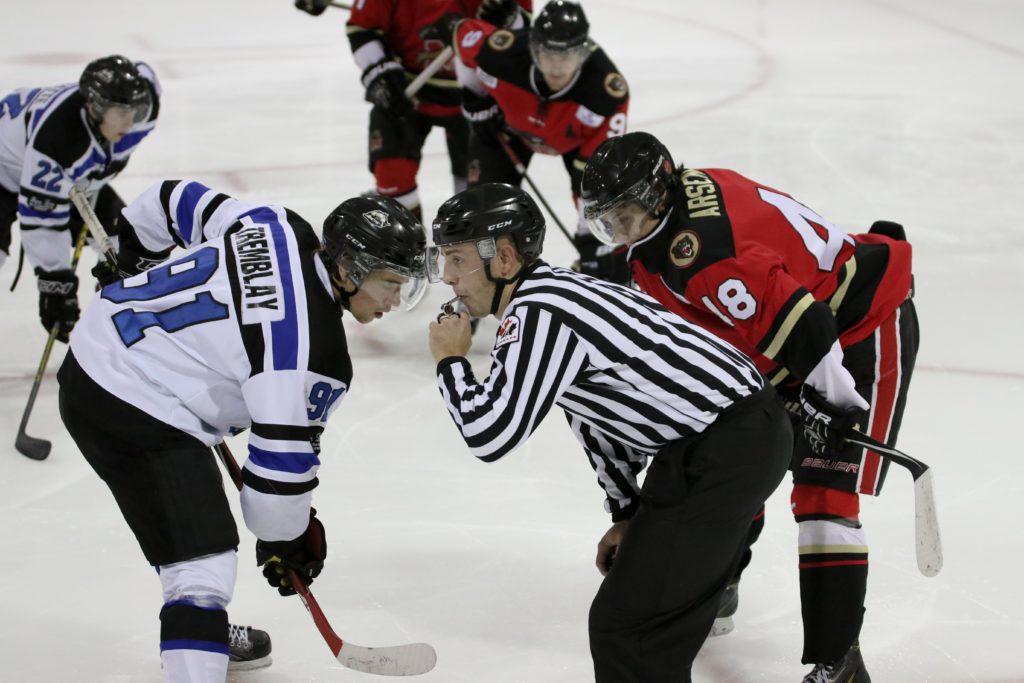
387, 45
551, 90
826, 315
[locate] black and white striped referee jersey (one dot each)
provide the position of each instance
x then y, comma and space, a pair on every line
631, 376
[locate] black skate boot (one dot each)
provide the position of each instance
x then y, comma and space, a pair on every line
849, 669
727, 605
249, 648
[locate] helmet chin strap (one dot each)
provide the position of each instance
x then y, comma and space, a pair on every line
343, 295
500, 284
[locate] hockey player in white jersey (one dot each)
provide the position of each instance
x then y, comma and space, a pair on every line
72, 134
241, 331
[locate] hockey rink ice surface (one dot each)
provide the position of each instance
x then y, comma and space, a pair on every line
862, 109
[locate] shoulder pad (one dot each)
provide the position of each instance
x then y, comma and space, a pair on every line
601, 88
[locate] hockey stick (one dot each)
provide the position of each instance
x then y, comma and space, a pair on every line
30, 446
81, 202
435, 65
926, 521
342, 5
521, 170
396, 660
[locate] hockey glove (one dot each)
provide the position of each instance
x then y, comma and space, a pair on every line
385, 87
304, 554
442, 30
500, 13
484, 116
314, 7
603, 261
825, 425
58, 300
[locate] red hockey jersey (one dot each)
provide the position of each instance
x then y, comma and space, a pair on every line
768, 274
397, 25
579, 117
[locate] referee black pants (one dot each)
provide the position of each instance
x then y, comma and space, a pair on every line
655, 608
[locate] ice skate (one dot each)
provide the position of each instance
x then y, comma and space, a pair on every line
727, 605
249, 648
849, 669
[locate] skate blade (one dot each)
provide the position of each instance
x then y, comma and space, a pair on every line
722, 626
250, 664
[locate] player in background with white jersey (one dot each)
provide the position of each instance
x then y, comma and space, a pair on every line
243, 330
52, 138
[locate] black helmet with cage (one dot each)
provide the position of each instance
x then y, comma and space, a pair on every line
115, 81
635, 167
364, 234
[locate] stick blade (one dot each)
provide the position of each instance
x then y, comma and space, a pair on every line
31, 447
926, 523
397, 660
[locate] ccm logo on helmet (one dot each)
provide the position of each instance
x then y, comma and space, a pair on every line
354, 241
499, 225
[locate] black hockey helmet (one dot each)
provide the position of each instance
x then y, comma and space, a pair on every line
560, 26
635, 167
483, 212
115, 81
371, 233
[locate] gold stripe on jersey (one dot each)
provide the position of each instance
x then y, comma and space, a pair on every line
777, 377
849, 270
441, 82
830, 549
787, 325
349, 30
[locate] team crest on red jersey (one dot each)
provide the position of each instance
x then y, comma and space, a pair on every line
501, 40
615, 85
684, 249
508, 332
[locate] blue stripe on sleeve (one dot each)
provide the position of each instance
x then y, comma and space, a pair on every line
186, 208
96, 158
293, 463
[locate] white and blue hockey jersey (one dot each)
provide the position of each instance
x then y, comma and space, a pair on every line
239, 331
46, 147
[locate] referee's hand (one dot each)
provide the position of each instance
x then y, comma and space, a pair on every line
608, 546
450, 335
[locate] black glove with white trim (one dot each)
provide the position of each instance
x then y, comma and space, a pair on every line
58, 300
484, 116
385, 83
304, 554
826, 425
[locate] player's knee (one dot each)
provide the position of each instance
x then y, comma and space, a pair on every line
206, 582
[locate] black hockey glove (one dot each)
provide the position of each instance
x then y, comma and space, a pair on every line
314, 7
825, 425
500, 13
385, 87
304, 554
889, 229
58, 300
484, 116
442, 30
603, 261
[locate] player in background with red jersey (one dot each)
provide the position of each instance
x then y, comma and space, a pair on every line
826, 315
388, 47
552, 90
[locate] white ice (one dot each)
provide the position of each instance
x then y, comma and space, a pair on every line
905, 110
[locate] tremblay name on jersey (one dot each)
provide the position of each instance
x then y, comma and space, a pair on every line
258, 274
702, 199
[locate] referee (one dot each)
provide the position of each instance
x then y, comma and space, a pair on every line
636, 382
